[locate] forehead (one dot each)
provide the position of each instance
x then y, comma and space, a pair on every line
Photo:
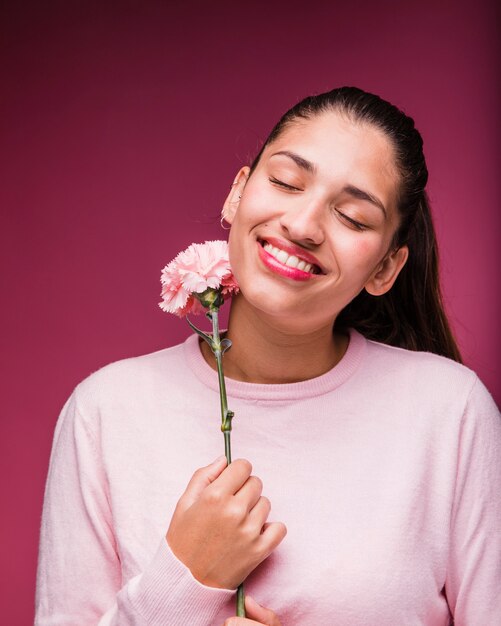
340, 149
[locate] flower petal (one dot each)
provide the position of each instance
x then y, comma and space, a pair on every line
194, 270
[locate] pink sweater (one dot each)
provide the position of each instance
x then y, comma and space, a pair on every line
386, 471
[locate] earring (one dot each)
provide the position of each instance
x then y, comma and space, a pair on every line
222, 220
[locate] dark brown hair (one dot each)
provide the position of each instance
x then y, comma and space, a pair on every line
411, 315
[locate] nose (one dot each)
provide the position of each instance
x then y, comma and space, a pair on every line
304, 223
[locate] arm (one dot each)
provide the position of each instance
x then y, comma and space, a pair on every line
79, 580
473, 583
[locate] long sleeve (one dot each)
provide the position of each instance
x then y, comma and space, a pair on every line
79, 579
386, 471
473, 584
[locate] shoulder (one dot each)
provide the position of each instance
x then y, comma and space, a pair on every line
423, 376
401, 359
120, 400
428, 393
129, 379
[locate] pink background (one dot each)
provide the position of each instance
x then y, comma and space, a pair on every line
121, 131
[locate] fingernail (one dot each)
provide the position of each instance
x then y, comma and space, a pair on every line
219, 459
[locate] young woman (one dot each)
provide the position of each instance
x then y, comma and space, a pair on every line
377, 453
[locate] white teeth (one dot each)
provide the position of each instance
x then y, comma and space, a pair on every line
286, 259
282, 256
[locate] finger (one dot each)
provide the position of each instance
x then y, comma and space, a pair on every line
259, 613
250, 492
259, 514
233, 478
273, 533
201, 479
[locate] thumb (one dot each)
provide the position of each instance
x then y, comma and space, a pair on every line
201, 479
259, 613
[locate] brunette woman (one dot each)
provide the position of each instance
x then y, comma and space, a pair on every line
376, 451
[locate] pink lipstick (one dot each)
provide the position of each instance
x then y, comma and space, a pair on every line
302, 267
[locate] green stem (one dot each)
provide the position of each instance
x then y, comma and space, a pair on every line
226, 417
240, 601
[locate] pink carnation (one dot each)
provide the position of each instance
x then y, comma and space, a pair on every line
196, 269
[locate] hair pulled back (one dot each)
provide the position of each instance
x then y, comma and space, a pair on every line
411, 314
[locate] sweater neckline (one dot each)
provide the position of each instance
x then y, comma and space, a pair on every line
317, 386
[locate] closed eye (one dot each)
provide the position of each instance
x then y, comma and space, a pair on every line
280, 183
351, 221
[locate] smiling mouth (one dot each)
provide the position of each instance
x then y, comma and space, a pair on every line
290, 260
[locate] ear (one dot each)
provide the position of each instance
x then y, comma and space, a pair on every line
236, 190
387, 271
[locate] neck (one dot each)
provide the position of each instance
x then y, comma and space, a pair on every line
267, 352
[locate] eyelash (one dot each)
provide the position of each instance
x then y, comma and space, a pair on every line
354, 223
280, 183
358, 225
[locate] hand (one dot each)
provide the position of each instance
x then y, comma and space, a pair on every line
219, 528
256, 615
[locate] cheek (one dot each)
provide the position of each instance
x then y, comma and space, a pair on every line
233, 250
255, 210
239, 243
258, 201
366, 249
360, 251
252, 212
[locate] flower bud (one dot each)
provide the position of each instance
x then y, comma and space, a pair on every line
210, 298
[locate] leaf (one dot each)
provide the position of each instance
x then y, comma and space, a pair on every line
204, 336
226, 345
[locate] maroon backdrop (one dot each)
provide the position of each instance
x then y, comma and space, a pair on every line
122, 127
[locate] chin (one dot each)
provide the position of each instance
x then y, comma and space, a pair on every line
275, 309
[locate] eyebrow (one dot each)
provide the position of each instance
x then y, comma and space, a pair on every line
360, 194
308, 166
351, 190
